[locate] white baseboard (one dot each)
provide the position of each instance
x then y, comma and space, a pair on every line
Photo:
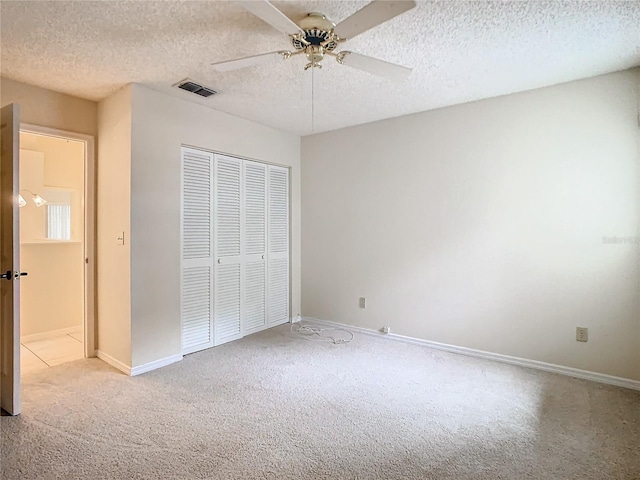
133, 371
163, 362
36, 337
497, 357
105, 357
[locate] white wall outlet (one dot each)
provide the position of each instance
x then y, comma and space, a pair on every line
582, 334
120, 238
363, 302
386, 329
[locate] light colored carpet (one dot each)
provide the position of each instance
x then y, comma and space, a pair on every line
274, 406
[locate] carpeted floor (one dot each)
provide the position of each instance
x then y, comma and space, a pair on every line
274, 406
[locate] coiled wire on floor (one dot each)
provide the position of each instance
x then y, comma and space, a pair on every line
317, 334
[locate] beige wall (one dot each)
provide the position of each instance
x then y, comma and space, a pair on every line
114, 199
481, 225
63, 168
161, 125
52, 296
50, 109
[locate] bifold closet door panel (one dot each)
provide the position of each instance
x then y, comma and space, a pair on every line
235, 248
278, 245
254, 244
227, 303
228, 248
197, 250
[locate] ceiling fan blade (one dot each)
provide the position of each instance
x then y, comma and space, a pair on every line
390, 71
251, 61
270, 14
377, 12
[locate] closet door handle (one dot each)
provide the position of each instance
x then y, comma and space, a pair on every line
21, 274
262, 257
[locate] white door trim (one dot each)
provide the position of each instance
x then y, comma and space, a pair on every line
90, 340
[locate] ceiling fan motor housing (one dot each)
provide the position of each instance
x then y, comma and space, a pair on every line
318, 38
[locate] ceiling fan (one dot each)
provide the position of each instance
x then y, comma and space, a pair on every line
316, 36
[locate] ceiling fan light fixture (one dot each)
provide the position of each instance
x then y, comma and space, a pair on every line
38, 200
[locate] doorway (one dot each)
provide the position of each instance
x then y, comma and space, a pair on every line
56, 298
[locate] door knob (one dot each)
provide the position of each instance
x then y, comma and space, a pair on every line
7, 275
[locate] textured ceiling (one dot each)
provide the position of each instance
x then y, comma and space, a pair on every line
460, 51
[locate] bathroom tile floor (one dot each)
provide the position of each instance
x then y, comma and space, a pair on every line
53, 351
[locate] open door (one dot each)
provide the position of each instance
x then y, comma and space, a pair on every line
9, 261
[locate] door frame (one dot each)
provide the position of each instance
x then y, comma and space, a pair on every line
90, 331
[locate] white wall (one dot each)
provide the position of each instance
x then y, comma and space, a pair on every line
481, 225
113, 205
161, 125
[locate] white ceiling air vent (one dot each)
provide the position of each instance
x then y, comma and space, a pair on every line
196, 88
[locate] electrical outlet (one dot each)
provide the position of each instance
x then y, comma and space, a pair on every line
582, 334
363, 302
386, 329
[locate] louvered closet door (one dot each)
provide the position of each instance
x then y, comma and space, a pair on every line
278, 245
254, 244
197, 250
227, 272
